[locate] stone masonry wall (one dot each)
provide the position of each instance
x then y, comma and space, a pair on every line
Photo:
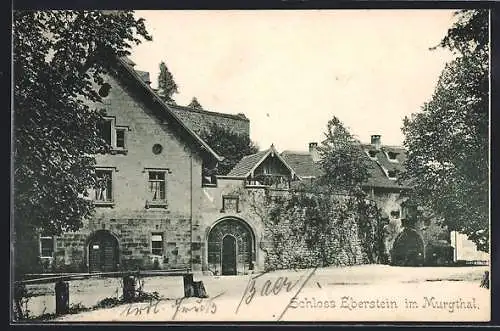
134, 240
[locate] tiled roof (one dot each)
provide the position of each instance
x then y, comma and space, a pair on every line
381, 164
247, 163
304, 166
302, 163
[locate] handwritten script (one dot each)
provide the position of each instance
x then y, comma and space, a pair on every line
139, 309
272, 287
198, 306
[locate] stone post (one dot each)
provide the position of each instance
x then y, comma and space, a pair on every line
188, 285
62, 297
129, 288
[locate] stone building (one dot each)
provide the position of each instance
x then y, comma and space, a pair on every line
154, 210
384, 188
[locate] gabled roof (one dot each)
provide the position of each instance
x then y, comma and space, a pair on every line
302, 163
126, 64
305, 167
381, 165
249, 163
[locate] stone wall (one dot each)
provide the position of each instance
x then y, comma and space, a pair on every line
292, 243
201, 120
134, 241
292, 251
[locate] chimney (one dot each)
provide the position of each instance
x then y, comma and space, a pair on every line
313, 151
375, 141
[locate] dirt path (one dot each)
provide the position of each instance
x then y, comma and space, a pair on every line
362, 281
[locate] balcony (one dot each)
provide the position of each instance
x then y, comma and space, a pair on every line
275, 181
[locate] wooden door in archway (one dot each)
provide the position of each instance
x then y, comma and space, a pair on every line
229, 255
103, 252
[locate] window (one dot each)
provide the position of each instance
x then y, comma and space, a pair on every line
372, 154
157, 244
46, 246
120, 138
392, 156
104, 185
115, 136
392, 174
157, 186
395, 214
157, 149
105, 129
104, 90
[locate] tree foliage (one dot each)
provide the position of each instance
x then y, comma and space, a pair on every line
345, 166
229, 144
166, 84
59, 56
195, 104
447, 141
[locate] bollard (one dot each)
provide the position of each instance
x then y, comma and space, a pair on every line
62, 297
199, 290
128, 288
188, 285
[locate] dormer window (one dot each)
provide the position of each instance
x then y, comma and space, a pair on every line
392, 156
395, 214
372, 154
392, 174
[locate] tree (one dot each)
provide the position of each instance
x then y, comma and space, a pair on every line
166, 84
447, 141
59, 56
232, 146
195, 104
345, 166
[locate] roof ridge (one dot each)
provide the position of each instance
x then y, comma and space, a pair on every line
240, 116
296, 152
386, 146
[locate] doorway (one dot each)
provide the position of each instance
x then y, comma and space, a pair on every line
229, 255
103, 252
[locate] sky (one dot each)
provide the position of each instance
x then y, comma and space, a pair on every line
290, 71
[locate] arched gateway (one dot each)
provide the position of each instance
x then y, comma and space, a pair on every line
103, 252
408, 249
231, 247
